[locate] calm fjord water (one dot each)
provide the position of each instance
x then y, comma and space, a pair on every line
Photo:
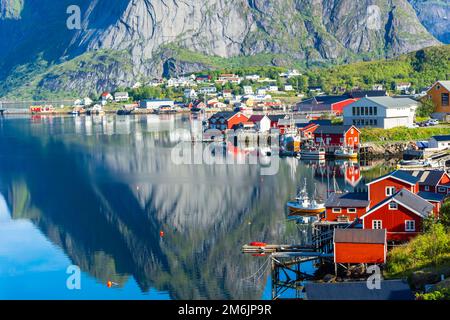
97, 191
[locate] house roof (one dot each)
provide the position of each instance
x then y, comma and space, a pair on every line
399, 175
256, 118
358, 290
427, 177
389, 102
372, 236
348, 200
225, 114
442, 137
445, 84
325, 99
367, 93
333, 129
158, 100
276, 117
409, 200
322, 122
431, 196
307, 126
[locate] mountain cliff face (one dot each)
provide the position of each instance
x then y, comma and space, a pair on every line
148, 33
435, 16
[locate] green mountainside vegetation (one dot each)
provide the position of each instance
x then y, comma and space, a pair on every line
43, 81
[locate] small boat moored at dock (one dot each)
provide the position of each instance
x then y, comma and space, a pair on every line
303, 206
312, 153
345, 153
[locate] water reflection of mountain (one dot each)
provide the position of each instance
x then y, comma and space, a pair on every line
104, 198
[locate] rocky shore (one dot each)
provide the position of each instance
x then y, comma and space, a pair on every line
383, 151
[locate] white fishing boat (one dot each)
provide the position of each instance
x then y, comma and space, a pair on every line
345, 153
312, 153
304, 206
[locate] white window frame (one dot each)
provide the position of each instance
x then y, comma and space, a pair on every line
395, 203
427, 188
442, 189
336, 210
351, 210
389, 191
410, 225
377, 224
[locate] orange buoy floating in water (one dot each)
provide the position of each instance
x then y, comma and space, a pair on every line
161, 234
109, 284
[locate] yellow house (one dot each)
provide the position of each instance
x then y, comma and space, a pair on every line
439, 94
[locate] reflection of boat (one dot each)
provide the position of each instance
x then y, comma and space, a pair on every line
303, 206
312, 153
123, 112
345, 153
302, 219
78, 111
266, 151
165, 110
97, 109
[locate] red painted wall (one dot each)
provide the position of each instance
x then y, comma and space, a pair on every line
338, 107
377, 190
359, 253
236, 119
330, 216
351, 138
394, 222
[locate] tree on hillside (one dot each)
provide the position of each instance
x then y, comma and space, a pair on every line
426, 108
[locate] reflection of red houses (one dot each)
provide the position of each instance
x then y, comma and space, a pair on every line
337, 136
352, 174
226, 120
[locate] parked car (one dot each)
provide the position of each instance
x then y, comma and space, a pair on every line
433, 122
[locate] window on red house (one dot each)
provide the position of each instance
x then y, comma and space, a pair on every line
377, 224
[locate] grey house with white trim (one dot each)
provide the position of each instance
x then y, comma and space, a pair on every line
381, 112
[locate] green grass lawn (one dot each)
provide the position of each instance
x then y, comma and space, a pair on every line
402, 134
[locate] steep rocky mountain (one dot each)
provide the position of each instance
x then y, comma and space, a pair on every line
435, 16
121, 41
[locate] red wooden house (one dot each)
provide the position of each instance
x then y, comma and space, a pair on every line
328, 104
307, 132
401, 214
337, 136
436, 199
226, 120
432, 180
393, 202
274, 118
360, 246
346, 207
385, 186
